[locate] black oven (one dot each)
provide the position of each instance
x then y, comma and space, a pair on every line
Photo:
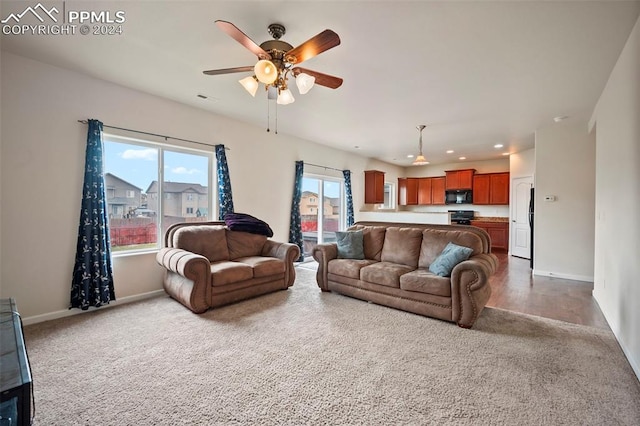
461, 217
458, 196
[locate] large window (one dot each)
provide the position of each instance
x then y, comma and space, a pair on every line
320, 220
140, 210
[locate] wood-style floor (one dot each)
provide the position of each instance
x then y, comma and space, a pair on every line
514, 288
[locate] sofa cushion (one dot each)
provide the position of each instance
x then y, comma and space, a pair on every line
449, 258
226, 272
243, 244
209, 241
402, 246
384, 273
348, 267
372, 240
424, 281
349, 244
263, 266
435, 240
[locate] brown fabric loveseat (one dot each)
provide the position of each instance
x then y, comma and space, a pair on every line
395, 270
208, 265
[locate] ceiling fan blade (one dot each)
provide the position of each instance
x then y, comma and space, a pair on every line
228, 70
312, 47
235, 33
321, 79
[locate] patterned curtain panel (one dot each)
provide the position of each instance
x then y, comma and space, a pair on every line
347, 187
295, 227
92, 283
225, 199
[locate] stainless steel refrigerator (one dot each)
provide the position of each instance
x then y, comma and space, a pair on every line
531, 214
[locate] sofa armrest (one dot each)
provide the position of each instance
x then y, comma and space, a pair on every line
470, 289
323, 253
192, 289
288, 252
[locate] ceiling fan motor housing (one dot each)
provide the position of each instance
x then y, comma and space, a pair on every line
277, 31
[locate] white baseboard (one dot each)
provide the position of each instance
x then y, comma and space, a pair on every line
563, 276
627, 353
70, 312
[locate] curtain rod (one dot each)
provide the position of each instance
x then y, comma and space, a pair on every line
324, 167
153, 134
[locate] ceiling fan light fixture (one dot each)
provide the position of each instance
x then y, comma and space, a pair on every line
304, 82
266, 71
250, 84
285, 97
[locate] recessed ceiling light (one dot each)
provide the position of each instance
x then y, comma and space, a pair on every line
462, 158
498, 145
356, 147
450, 151
560, 118
505, 153
410, 156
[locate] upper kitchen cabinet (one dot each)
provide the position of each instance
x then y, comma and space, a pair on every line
437, 190
373, 187
459, 179
407, 191
491, 188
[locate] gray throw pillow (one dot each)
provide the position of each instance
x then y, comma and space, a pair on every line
449, 258
350, 245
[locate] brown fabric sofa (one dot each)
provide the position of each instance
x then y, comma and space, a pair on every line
208, 265
395, 270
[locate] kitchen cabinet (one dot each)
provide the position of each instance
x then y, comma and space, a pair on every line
373, 187
431, 190
407, 191
424, 191
491, 188
437, 190
499, 193
498, 232
459, 179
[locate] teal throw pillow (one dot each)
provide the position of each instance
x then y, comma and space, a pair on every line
449, 258
350, 245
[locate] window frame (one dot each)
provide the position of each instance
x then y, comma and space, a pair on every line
161, 147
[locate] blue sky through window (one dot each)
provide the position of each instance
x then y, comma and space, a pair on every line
138, 165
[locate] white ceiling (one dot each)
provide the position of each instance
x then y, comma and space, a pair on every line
476, 73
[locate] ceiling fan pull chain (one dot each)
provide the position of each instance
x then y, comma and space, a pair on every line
268, 115
276, 118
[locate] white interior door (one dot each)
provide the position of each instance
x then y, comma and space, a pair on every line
520, 230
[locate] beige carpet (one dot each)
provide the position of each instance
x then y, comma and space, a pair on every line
304, 357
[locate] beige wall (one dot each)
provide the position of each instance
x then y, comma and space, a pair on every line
44, 145
522, 164
564, 230
617, 233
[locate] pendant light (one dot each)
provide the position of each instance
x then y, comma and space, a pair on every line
420, 160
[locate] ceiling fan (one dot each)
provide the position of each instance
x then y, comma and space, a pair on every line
276, 60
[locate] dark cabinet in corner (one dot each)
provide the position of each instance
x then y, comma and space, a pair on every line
491, 188
373, 187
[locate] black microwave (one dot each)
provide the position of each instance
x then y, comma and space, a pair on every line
458, 196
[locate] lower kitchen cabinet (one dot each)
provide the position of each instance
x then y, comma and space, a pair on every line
498, 232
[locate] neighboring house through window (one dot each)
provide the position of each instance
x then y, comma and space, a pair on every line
139, 209
320, 220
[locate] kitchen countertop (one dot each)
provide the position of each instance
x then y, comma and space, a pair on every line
490, 219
